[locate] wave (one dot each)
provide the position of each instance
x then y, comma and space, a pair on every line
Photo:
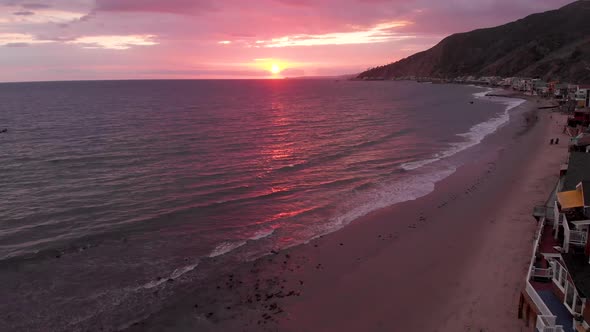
229, 246
225, 247
262, 234
476, 134
221, 249
177, 273
402, 190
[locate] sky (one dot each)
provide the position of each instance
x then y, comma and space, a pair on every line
46, 40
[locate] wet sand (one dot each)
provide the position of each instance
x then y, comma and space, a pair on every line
454, 260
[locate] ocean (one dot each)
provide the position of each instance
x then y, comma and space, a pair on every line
117, 195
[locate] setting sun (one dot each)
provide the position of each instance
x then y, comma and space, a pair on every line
275, 69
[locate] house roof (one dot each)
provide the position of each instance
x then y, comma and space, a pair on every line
570, 199
578, 170
586, 192
578, 267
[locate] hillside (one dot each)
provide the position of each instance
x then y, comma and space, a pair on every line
551, 45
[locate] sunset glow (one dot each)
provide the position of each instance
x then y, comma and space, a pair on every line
76, 39
115, 42
275, 69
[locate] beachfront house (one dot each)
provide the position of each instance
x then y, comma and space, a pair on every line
552, 86
557, 292
561, 91
582, 116
583, 96
578, 123
522, 84
580, 143
540, 88
506, 82
572, 89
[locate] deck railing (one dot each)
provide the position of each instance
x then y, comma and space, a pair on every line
529, 289
546, 320
566, 235
578, 237
547, 324
537, 300
556, 216
542, 273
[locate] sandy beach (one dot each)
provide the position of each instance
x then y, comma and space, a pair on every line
454, 260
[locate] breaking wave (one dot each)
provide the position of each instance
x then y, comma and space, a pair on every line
476, 134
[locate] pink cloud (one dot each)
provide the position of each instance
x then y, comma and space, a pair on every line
35, 5
156, 6
23, 13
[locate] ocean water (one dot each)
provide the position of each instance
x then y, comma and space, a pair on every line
110, 189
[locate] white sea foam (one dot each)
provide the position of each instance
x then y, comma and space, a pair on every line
225, 247
482, 94
180, 271
262, 234
402, 190
476, 134
177, 273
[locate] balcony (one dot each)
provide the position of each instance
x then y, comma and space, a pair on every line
542, 273
573, 236
578, 237
562, 317
546, 320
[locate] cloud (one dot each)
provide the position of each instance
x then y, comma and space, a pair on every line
21, 39
155, 6
35, 6
379, 33
114, 42
207, 73
40, 17
17, 44
23, 13
296, 3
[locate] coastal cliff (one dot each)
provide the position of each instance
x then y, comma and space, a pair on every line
553, 45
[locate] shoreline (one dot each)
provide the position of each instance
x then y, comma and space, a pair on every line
325, 283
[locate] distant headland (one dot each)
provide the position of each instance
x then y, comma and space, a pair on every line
551, 46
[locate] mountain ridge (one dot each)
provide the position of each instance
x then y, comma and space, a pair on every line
554, 45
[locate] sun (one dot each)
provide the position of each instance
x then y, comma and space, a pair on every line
275, 69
